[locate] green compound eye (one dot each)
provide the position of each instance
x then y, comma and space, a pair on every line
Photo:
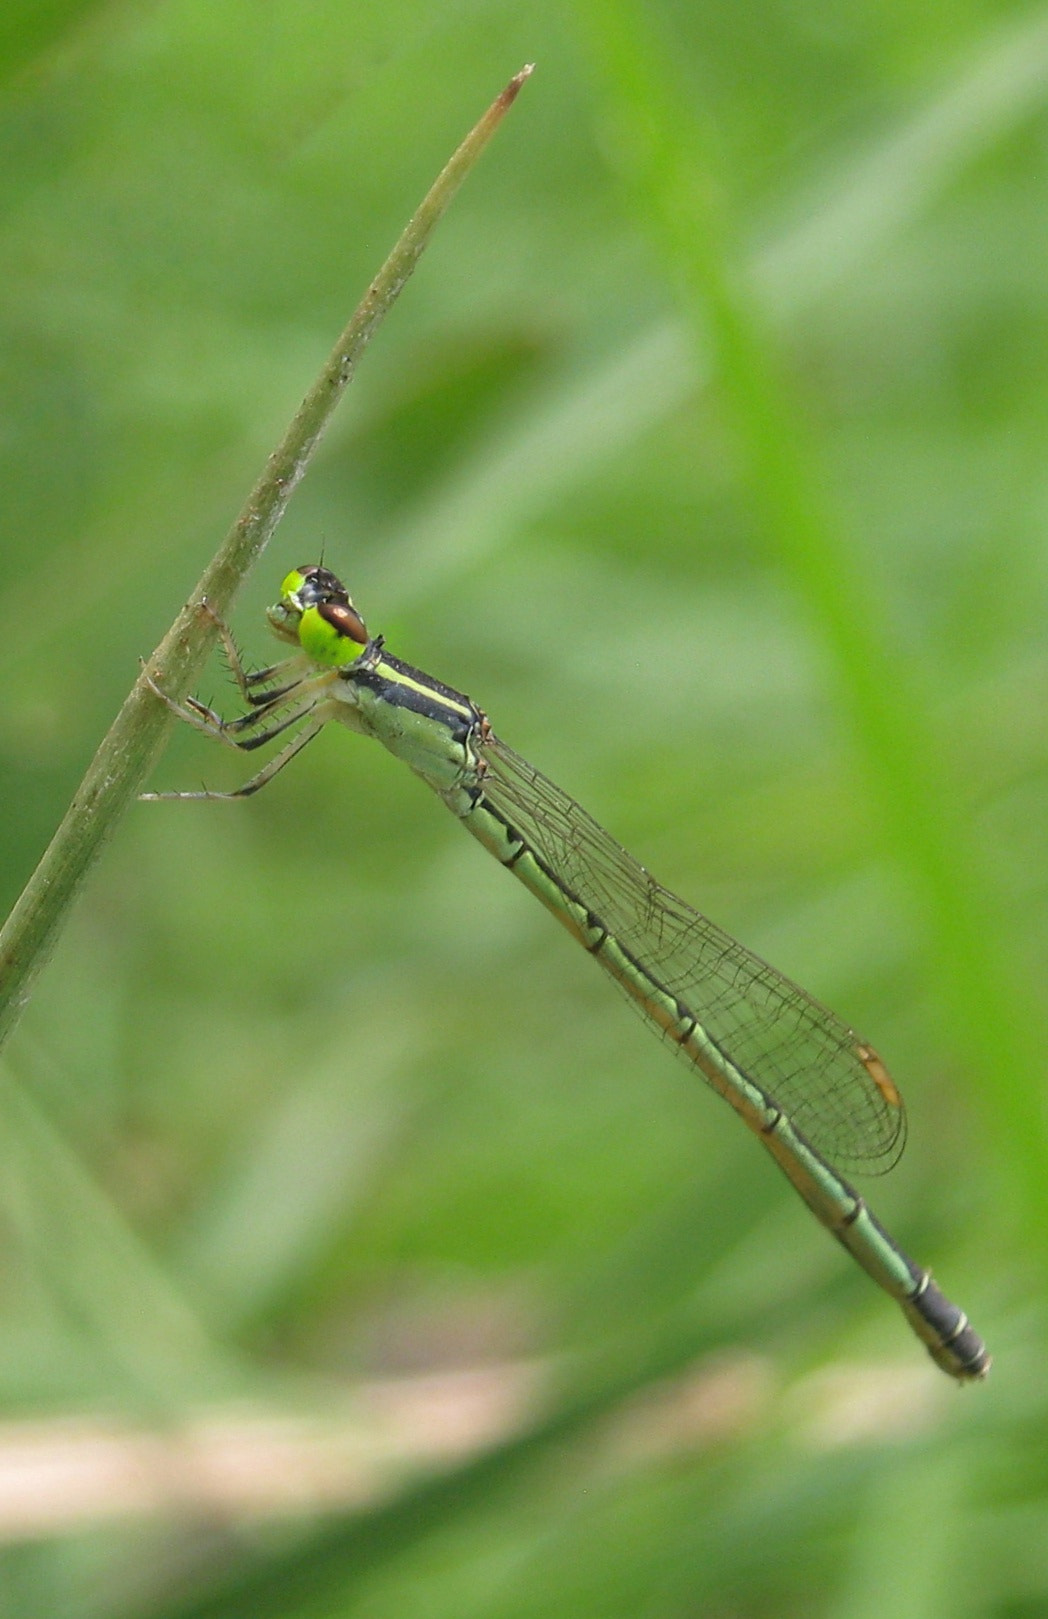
292, 583
315, 610
332, 634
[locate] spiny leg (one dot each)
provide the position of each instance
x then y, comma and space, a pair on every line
302, 697
295, 702
248, 681
300, 692
266, 774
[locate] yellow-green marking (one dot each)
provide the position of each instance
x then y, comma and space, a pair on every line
804, 1082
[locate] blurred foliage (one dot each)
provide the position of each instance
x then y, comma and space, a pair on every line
312, 1095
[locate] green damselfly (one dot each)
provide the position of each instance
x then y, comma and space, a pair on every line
810, 1089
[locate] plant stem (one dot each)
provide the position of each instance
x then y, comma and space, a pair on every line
136, 735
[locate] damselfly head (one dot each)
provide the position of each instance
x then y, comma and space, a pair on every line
316, 611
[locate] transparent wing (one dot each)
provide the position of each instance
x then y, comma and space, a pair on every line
831, 1084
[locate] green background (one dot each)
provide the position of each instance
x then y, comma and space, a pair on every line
313, 1103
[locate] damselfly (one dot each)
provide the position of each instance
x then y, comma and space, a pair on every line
809, 1088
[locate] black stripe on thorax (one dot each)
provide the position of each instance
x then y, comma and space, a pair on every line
401, 685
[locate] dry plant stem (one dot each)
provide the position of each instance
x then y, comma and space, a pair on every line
135, 737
